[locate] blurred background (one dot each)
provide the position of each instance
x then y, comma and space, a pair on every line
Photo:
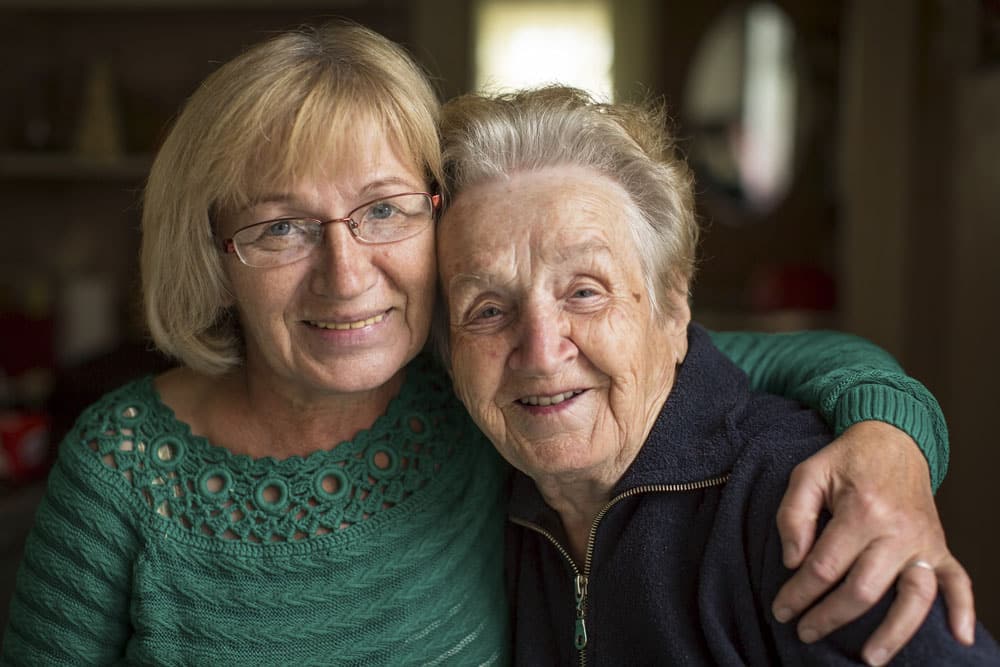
847, 152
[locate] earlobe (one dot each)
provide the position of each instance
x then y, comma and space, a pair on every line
678, 338
680, 350
678, 313
678, 318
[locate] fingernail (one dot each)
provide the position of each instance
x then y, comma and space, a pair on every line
783, 615
808, 635
879, 656
969, 631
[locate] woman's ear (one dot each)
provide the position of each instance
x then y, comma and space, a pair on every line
676, 318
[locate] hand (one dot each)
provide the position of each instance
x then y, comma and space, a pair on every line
876, 484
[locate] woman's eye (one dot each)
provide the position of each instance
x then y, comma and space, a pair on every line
279, 228
381, 211
584, 293
488, 312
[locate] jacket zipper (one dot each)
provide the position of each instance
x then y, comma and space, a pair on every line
582, 579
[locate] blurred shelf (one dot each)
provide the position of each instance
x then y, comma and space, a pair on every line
68, 167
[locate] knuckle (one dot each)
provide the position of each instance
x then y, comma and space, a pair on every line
786, 515
872, 506
801, 472
957, 576
823, 569
793, 595
864, 592
933, 542
921, 588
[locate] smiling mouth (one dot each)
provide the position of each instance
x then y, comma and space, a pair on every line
344, 326
544, 401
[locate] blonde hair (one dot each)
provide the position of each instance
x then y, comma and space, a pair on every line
264, 119
486, 138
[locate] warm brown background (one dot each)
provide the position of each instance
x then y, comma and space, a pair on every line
897, 195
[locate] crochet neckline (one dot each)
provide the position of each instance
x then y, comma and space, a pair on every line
244, 461
207, 490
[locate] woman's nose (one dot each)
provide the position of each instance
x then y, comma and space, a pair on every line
543, 345
342, 266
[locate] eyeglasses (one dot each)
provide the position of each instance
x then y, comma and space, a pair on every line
286, 240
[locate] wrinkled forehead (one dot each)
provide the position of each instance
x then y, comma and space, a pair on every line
535, 220
557, 203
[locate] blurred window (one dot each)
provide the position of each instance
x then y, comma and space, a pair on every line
522, 43
741, 104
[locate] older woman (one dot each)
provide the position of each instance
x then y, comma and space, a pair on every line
304, 488
642, 530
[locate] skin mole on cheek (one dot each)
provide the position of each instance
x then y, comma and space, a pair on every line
637, 296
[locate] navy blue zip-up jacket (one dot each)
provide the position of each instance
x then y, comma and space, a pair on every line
685, 565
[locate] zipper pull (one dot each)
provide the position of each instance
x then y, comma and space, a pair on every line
580, 586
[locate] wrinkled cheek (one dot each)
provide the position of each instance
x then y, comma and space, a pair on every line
621, 413
581, 416
465, 381
475, 366
487, 416
476, 387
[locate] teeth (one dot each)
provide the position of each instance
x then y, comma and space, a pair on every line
549, 400
344, 326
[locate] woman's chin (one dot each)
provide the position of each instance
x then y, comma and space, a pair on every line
564, 459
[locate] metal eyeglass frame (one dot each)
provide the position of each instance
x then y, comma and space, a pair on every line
228, 245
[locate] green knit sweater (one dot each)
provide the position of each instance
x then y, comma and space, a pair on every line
154, 546
845, 378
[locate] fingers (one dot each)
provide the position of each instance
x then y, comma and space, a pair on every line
869, 579
798, 513
916, 588
956, 588
834, 553
874, 482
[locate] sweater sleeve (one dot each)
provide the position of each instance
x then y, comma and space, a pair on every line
71, 600
845, 378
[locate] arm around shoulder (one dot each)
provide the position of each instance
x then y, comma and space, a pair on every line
845, 378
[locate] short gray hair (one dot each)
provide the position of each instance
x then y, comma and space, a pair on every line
486, 138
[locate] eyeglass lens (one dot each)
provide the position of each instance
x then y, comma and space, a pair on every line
285, 240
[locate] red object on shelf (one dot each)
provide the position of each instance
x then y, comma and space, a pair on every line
24, 445
792, 287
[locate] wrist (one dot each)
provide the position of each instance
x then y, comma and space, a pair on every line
870, 403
